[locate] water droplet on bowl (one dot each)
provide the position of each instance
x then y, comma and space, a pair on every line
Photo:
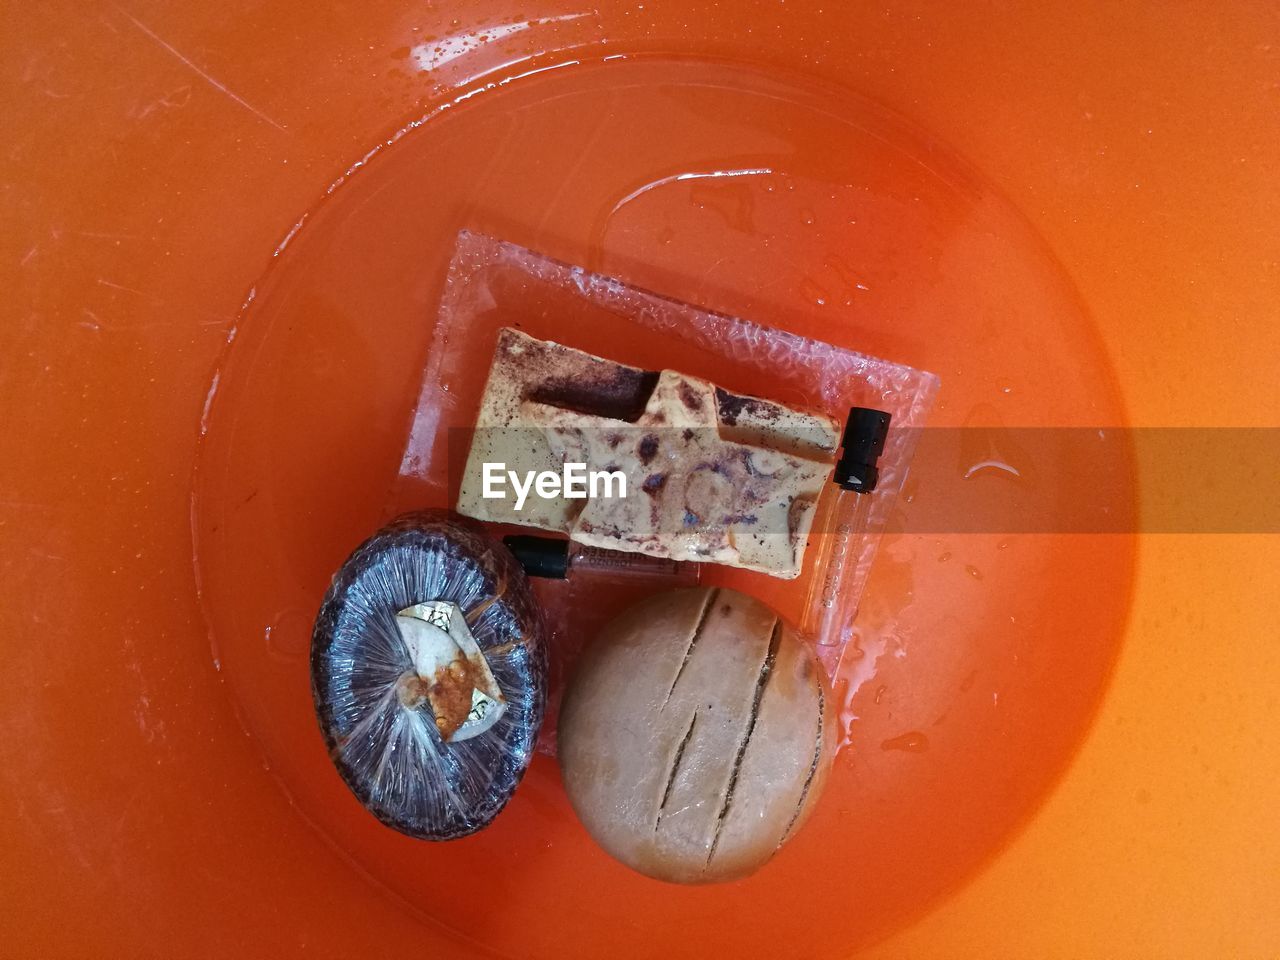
913, 742
288, 638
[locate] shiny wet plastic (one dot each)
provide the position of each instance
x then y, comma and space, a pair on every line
1112, 262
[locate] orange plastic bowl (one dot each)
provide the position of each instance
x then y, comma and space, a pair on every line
224, 241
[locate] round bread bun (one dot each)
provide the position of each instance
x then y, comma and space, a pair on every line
694, 735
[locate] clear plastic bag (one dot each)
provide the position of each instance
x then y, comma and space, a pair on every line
494, 284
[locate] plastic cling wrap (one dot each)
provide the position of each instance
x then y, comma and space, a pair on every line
494, 284
426, 781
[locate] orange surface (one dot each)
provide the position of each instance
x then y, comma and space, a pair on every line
1103, 254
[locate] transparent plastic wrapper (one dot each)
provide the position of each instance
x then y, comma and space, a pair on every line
379, 684
493, 284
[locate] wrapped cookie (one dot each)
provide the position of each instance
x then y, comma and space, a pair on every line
428, 668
